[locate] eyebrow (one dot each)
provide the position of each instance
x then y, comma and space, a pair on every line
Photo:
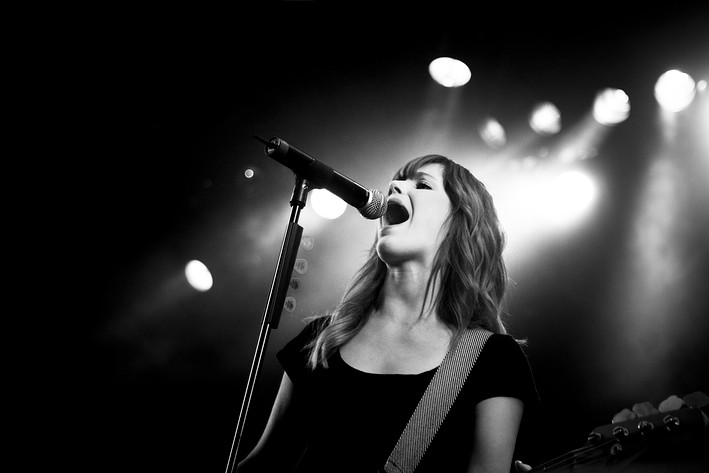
419, 174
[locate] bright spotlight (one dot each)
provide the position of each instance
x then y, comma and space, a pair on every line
675, 90
545, 119
611, 106
449, 72
198, 275
492, 133
326, 204
571, 195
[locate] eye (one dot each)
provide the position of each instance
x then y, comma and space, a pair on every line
422, 185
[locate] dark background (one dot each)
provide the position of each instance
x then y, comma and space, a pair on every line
162, 105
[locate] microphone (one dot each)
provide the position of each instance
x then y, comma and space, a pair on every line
371, 203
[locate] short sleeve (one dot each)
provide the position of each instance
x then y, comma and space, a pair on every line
503, 370
293, 357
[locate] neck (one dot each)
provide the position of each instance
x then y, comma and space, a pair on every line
404, 298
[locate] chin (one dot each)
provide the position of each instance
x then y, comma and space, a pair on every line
393, 254
387, 251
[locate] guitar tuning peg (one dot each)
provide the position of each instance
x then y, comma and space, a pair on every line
672, 423
594, 438
696, 399
616, 449
672, 403
699, 400
620, 431
645, 428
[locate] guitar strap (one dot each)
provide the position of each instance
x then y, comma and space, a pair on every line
436, 402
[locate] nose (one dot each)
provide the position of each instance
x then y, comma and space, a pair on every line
395, 187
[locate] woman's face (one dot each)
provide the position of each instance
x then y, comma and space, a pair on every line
412, 229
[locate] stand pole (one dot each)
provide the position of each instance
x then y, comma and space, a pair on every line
274, 306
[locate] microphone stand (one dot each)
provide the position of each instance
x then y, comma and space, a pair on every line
274, 306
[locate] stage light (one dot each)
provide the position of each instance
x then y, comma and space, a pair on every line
326, 204
198, 275
611, 106
493, 133
571, 195
675, 90
307, 242
545, 119
301, 265
449, 72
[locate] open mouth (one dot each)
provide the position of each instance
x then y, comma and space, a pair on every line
396, 213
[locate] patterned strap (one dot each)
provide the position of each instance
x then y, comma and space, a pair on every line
436, 402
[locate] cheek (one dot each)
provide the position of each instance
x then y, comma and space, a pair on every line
435, 228
441, 234
442, 225
440, 216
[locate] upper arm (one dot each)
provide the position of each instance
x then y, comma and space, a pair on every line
278, 445
497, 421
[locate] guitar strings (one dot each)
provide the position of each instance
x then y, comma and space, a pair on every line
571, 457
590, 454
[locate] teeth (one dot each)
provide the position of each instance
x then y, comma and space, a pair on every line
396, 213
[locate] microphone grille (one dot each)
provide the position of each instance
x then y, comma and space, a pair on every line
376, 205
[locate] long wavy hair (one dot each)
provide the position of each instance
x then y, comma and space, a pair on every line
468, 267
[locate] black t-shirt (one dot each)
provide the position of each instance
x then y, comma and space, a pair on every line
355, 418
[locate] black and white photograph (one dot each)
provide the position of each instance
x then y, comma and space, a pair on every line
407, 237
